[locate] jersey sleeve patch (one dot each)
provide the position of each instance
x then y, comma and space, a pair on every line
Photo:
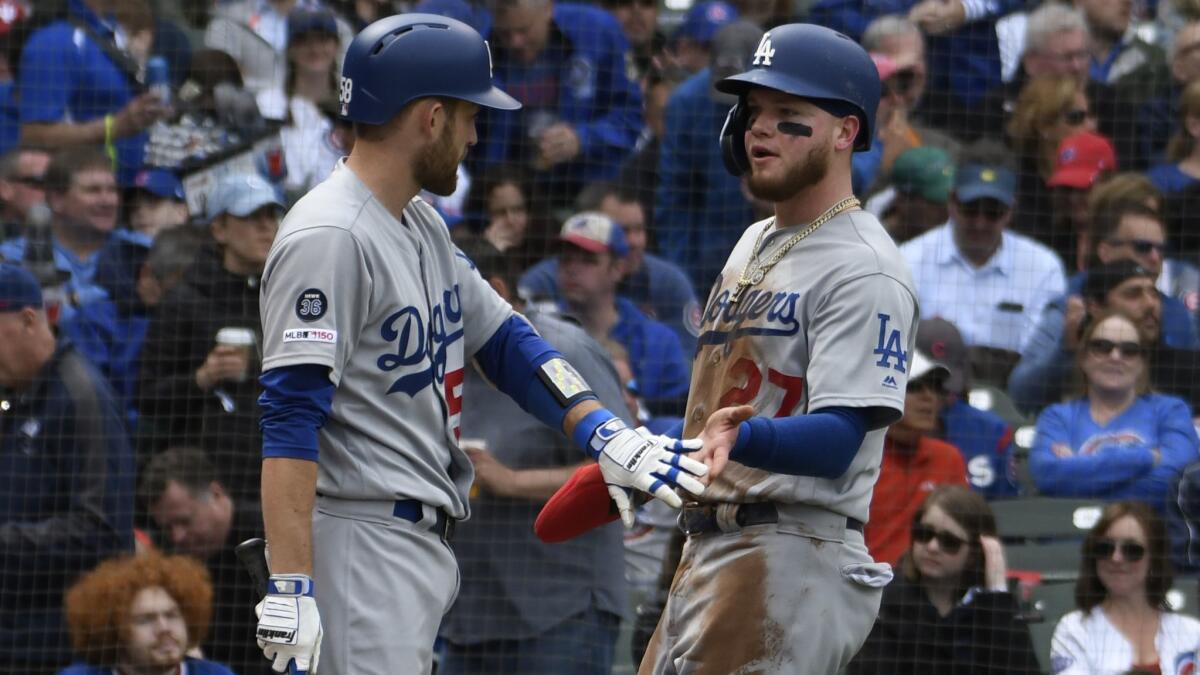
328, 337
311, 305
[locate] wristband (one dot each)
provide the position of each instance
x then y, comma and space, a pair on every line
110, 123
601, 423
290, 585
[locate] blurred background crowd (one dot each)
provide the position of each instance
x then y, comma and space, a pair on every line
1037, 163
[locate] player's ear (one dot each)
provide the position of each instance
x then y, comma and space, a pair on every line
846, 132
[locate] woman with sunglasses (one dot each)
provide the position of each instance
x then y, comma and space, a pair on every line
949, 610
1118, 440
1049, 109
1123, 623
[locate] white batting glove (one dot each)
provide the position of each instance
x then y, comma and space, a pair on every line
637, 459
289, 625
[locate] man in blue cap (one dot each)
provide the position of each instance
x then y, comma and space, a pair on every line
156, 202
193, 388
692, 42
66, 477
990, 282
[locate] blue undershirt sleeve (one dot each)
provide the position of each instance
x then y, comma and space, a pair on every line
821, 444
295, 403
512, 359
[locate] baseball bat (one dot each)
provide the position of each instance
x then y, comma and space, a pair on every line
252, 553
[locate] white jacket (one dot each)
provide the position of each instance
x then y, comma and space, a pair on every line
1087, 644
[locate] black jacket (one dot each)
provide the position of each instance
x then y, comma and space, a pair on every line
173, 408
980, 636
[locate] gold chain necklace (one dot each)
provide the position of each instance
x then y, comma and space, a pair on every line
754, 272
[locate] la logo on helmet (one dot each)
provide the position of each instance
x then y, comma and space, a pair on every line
765, 52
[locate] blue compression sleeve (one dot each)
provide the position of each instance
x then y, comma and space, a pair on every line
295, 402
512, 358
821, 444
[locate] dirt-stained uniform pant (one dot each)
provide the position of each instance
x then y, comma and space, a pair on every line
788, 598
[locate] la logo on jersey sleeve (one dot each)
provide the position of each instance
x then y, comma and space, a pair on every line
890, 351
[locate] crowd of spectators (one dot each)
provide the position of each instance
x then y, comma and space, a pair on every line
1037, 162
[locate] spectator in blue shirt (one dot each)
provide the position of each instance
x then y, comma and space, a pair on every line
1119, 440
567, 64
1182, 170
984, 438
589, 268
659, 288
701, 211
75, 90
66, 477
22, 173
81, 191
141, 616
691, 45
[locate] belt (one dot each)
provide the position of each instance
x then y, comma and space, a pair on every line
698, 518
414, 511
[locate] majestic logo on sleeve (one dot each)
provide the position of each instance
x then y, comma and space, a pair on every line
419, 345
890, 347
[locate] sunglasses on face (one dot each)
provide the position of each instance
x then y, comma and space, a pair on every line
900, 83
949, 543
1131, 551
1127, 350
31, 181
921, 386
987, 208
1075, 117
1140, 246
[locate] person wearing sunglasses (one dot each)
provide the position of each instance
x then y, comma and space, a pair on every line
1048, 109
914, 462
1117, 440
1125, 239
1123, 623
22, 171
975, 272
949, 610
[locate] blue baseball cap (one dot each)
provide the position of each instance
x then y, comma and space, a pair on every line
979, 181
704, 19
595, 232
241, 195
474, 16
18, 289
304, 21
160, 183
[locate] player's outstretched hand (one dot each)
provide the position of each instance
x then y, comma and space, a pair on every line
289, 625
720, 435
635, 458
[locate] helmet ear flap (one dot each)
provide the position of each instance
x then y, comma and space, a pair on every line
733, 139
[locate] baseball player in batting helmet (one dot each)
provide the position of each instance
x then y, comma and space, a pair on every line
803, 362
370, 314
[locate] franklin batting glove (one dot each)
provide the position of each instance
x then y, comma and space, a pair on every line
289, 625
637, 459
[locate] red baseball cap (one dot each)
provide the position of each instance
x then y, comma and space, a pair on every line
1081, 159
885, 64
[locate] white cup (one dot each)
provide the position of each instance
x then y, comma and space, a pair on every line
242, 338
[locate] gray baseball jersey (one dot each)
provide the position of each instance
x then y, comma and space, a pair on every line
393, 309
831, 324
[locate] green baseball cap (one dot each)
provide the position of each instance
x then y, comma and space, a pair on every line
926, 172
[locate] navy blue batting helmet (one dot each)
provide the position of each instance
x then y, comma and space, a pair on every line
810, 61
399, 59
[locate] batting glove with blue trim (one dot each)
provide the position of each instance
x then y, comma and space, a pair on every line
636, 458
289, 625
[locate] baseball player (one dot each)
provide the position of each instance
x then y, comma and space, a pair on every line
369, 315
802, 363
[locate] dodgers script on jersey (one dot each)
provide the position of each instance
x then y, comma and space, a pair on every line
832, 324
393, 309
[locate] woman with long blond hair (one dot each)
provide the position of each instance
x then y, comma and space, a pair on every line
1049, 109
1182, 168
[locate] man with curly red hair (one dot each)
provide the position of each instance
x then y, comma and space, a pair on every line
141, 615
